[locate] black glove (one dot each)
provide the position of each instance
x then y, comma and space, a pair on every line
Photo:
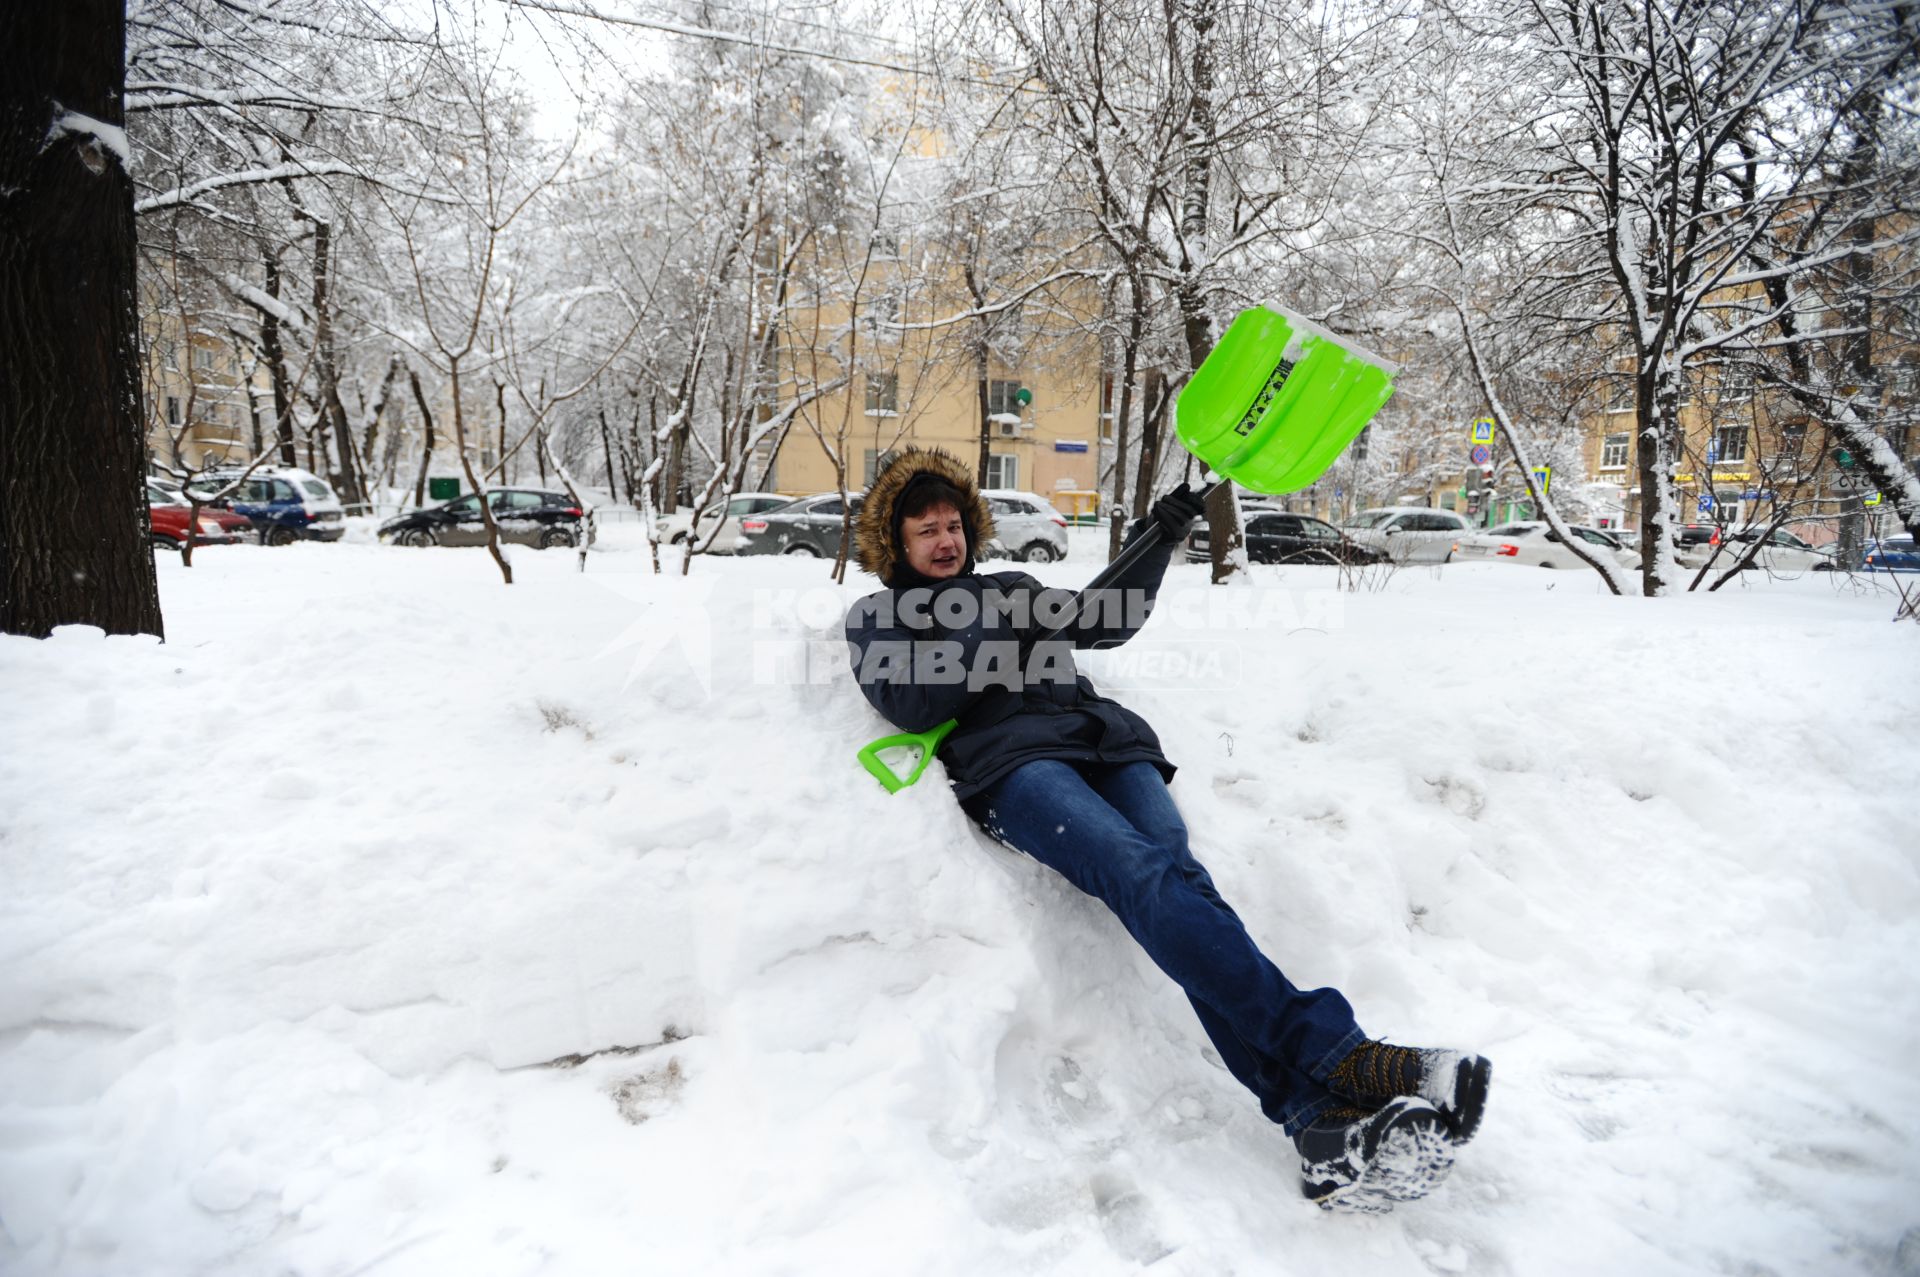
1176, 512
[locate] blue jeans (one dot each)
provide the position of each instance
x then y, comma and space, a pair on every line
1114, 833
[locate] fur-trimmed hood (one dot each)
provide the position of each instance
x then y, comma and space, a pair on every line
875, 539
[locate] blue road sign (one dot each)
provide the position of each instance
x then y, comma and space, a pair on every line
1706, 504
1481, 454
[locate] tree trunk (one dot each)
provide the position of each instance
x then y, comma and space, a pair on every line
332, 410
1197, 143
499, 467
1153, 414
606, 453
982, 391
369, 447
73, 521
474, 481
426, 435
1122, 415
276, 357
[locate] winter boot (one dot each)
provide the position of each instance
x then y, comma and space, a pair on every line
1355, 1159
1452, 1081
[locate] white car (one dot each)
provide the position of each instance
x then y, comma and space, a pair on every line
719, 522
1026, 526
1783, 552
1534, 544
1408, 534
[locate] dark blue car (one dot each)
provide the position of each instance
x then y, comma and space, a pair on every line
282, 503
1891, 554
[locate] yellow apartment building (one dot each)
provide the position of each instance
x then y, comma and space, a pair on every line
919, 386
1745, 452
199, 411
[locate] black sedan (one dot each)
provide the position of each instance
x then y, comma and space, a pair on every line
544, 520
810, 526
1289, 538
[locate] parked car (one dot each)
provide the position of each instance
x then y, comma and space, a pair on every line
527, 516
167, 486
283, 503
1532, 543
1026, 526
809, 526
1891, 554
1408, 534
1783, 551
1288, 538
719, 522
168, 513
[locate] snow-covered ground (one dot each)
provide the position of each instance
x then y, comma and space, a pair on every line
310, 914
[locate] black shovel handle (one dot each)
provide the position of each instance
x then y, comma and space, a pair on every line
1148, 541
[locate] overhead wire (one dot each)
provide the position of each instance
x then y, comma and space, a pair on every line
735, 37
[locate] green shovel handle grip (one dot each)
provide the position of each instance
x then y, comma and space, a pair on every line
928, 741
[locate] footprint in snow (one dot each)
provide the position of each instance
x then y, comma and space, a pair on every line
1460, 796
1444, 1247
1126, 1218
1050, 1091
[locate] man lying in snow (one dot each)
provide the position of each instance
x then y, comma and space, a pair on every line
1053, 769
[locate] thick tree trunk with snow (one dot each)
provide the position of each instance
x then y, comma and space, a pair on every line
73, 521
1198, 142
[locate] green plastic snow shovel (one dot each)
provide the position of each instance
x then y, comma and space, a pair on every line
1270, 409
927, 742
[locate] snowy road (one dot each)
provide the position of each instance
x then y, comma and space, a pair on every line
308, 914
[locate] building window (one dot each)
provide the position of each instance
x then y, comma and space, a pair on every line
1003, 471
1360, 441
169, 356
203, 358
1793, 440
173, 410
1001, 397
883, 394
1613, 451
886, 246
883, 313
1736, 383
876, 461
1903, 379
1729, 444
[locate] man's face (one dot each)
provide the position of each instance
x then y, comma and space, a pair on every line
936, 542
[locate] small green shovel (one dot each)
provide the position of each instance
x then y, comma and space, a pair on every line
1271, 408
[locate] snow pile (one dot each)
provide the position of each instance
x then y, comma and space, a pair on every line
387, 920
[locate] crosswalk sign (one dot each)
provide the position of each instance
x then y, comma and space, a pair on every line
1543, 475
1483, 430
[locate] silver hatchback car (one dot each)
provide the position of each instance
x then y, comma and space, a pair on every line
1026, 526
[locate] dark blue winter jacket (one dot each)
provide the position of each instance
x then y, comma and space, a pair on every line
927, 651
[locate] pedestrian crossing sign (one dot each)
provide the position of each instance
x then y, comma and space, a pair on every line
1483, 430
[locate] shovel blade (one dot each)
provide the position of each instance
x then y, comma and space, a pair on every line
1278, 400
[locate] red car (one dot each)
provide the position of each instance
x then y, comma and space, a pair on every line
167, 515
